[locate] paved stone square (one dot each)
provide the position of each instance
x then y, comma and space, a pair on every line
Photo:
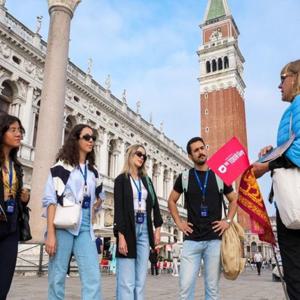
247, 286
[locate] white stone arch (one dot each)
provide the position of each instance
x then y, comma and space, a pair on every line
7, 95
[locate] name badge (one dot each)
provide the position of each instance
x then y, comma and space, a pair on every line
86, 201
203, 211
10, 206
139, 217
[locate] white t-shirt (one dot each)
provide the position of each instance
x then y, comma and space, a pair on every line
258, 257
142, 206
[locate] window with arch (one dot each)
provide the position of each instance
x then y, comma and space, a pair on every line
226, 62
214, 65
206, 111
206, 129
220, 63
208, 67
6, 97
253, 247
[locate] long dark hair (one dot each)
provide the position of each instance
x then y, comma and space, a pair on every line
69, 152
5, 122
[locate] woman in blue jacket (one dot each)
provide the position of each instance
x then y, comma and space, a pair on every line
73, 179
288, 239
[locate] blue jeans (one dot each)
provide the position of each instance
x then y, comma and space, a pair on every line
85, 252
192, 253
131, 272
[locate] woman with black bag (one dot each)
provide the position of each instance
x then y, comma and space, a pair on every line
287, 164
13, 199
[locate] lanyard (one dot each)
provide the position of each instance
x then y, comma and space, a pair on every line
84, 175
139, 190
202, 187
10, 172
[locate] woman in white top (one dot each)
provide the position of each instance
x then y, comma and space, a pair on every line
73, 180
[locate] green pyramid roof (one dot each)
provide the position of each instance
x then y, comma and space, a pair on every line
216, 10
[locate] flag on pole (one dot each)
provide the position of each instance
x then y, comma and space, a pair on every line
229, 162
251, 201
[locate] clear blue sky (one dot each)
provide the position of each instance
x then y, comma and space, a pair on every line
149, 48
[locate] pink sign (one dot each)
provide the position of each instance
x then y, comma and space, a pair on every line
230, 161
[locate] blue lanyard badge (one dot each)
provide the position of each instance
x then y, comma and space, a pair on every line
204, 186
139, 216
10, 203
139, 190
86, 198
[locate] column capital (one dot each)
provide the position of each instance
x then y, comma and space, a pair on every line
68, 4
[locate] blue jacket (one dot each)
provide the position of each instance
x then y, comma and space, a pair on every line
283, 134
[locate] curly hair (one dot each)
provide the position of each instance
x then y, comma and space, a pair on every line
5, 121
69, 153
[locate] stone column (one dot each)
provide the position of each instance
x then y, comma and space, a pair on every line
26, 116
104, 155
160, 180
149, 166
121, 157
97, 148
51, 115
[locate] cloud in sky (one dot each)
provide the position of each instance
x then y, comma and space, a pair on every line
149, 48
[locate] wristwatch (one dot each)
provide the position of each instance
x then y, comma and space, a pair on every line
228, 221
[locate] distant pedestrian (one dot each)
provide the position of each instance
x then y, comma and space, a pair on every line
112, 256
175, 256
99, 246
258, 259
153, 257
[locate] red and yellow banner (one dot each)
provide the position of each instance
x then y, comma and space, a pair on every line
250, 200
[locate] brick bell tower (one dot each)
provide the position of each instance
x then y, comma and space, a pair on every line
221, 82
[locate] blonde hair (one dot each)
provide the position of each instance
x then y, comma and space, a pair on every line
293, 68
128, 164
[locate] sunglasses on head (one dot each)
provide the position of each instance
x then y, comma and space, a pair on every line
88, 137
141, 155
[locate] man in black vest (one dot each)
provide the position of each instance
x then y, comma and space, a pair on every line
205, 226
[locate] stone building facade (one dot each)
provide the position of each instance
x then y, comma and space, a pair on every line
22, 58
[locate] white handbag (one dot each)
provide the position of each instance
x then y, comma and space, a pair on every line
286, 185
68, 215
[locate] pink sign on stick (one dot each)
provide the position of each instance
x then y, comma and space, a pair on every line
230, 161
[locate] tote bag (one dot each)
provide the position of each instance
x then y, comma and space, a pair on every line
286, 185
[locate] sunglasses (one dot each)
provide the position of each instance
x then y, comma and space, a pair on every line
88, 137
141, 155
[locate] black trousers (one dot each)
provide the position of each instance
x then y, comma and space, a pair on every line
154, 268
289, 244
258, 267
8, 258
